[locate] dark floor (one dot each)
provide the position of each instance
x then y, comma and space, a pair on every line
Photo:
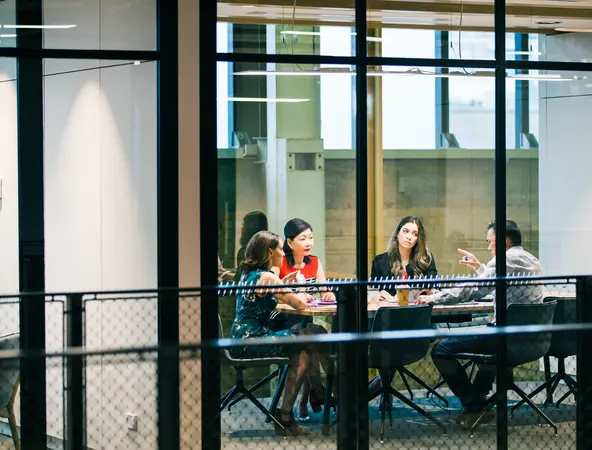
244, 428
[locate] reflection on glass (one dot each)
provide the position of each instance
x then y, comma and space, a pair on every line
298, 28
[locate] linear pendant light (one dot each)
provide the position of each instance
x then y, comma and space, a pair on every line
38, 27
318, 33
263, 100
414, 72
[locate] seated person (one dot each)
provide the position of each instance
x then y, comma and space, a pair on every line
254, 318
298, 245
407, 256
518, 261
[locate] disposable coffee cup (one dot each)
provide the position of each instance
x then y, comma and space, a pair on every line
403, 295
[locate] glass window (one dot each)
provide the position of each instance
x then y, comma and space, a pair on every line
451, 191
295, 27
9, 239
7, 16
100, 131
224, 88
336, 91
408, 102
100, 24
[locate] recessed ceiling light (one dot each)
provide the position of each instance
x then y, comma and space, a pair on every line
548, 22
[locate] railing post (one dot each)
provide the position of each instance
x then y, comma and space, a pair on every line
584, 366
347, 420
74, 386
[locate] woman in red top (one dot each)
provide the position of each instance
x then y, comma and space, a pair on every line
297, 249
298, 245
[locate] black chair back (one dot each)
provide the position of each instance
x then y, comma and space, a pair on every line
399, 353
524, 348
563, 344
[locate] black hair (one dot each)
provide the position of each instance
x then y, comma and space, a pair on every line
253, 222
512, 231
292, 229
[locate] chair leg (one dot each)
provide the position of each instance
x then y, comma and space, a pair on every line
256, 386
572, 389
328, 399
406, 384
423, 384
547, 366
278, 390
262, 408
545, 385
540, 412
227, 397
567, 394
549, 398
385, 404
417, 408
570, 382
13, 428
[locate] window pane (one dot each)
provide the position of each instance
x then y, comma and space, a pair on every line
561, 180
413, 24
554, 35
337, 91
9, 240
100, 24
100, 134
290, 28
7, 16
451, 190
408, 102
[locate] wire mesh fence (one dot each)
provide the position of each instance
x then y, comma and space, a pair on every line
424, 375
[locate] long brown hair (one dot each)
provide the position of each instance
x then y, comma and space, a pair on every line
420, 258
257, 251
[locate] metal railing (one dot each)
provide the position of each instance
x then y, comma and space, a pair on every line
109, 375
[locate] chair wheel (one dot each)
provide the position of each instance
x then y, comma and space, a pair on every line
382, 442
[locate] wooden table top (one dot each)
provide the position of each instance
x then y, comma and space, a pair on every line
331, 310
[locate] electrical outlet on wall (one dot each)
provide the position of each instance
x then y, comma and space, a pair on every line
131, 420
